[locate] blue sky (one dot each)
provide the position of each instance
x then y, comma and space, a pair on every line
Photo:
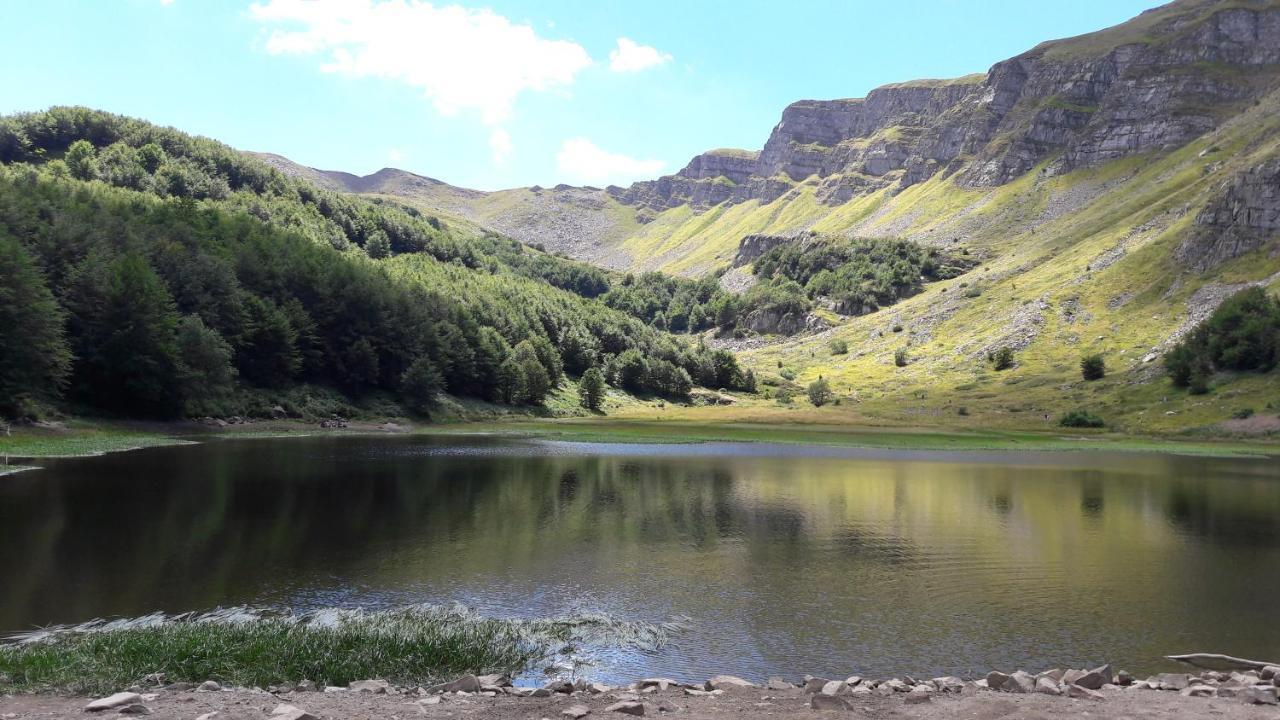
504, 93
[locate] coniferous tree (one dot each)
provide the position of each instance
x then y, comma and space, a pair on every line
591, 389
34, 358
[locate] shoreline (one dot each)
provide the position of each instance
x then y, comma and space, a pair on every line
1100, 693
88, 438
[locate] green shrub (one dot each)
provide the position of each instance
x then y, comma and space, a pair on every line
839, 347
1002, 359
1093, 367
784, 396
788, 374
1243, 413
1080, 419
820, 392
1242, 334
900, 357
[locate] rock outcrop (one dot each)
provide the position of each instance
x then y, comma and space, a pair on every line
1154, 83
1242, 217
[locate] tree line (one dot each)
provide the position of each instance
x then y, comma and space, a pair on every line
148, 272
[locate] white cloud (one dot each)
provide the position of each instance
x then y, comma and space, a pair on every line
581, 161
500, 144
631, 56
460, 58
395, 155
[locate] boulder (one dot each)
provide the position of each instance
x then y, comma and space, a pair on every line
1020, 682
134, 709
119, 699
777, 683
576, 711
1171, 681
660, 683
895, 685
209, 686
1083, 693
834, 687
626, 707
1054, 675
948, 684
1046, 686
290, 712
815, 685
1123, 678
996, 680
430, 700
1071, 676
466, 683
377, 687
724, 682
1197, 691
1269, 672
596, 688
499, 679
919, 694
1260, 695
818, 701
853, 680
1093, 679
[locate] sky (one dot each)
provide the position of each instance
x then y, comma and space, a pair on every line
506, 93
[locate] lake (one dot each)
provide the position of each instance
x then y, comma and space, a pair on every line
778, 559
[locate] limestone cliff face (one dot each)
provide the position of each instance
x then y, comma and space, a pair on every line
1242, 217
1154, 83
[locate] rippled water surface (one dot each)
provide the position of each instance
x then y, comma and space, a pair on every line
781, 559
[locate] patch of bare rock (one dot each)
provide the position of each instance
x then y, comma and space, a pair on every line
1096, 693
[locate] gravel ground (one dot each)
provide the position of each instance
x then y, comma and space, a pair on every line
738, 703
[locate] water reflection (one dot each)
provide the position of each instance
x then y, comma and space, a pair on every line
839, 562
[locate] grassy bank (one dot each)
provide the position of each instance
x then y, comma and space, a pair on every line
79, 441
407, 646
690, 431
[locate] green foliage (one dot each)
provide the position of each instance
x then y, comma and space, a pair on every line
411, 647
591, 389
81, 160
34, 357
784, 396
1080, 419
900, 358
1093, 367
860, 275
839, 347
186, 253
1002, 359
1242, 334
1243, 413
420, 384
820, 392
787, 374
206, 376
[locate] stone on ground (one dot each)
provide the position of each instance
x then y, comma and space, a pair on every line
576, 711
996, 680
626, 707
466, 683
113, 701
919, 694
818, 701
723, 682
1084, 693
377, 687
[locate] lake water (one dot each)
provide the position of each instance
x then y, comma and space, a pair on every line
779, 559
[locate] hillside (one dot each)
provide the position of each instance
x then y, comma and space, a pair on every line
150, 273
1115, 187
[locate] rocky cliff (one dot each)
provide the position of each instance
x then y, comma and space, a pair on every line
1154, 83
1240, 218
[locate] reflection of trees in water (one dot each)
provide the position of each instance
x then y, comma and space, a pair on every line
181, 528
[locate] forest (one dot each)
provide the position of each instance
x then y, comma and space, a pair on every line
151, 273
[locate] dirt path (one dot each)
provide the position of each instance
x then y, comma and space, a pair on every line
736, 704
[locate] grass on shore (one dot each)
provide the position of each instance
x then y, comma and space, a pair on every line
244, 648
79, 442
685, 430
